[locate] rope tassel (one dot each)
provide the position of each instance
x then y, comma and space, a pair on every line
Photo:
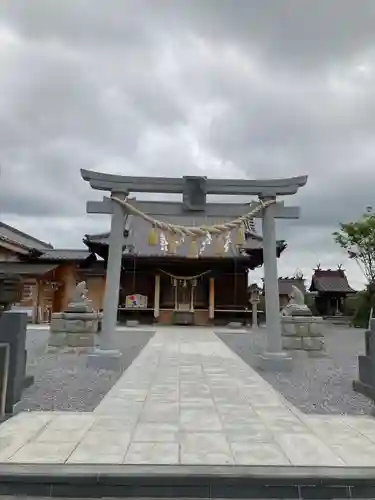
193, 248
152, 237
219, 246
240, 235
172, 246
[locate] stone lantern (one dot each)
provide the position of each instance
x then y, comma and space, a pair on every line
255, 293
10, 291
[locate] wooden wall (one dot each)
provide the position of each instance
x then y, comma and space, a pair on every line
66, 276
231, 290
96, 287
6, 255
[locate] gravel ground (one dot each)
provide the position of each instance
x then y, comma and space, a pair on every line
316, 385
62, 380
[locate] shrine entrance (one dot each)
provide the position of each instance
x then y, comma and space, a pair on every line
184, 301
184, 294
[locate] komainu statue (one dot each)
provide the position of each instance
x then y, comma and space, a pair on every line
296, 305
80, 293
79, 300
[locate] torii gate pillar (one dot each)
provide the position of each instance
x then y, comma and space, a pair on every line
194, 190
274, 358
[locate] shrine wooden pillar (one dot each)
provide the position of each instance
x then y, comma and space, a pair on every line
157, 296
211, 298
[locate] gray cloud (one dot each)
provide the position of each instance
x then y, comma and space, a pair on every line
216, 88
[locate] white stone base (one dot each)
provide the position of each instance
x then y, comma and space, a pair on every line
73, 341
274, 361
303, 333
229, 331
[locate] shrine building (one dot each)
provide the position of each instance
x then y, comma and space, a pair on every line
154, 286
177, 288
331, 288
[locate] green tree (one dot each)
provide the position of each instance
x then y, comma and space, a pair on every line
358, 239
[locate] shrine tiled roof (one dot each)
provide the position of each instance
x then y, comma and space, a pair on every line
330, 281
56, 254
12, 235
285, 285
26, 268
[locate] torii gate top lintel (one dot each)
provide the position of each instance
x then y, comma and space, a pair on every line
127, 184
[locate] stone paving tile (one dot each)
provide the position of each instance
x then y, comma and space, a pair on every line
17, 431
306, 449
210, 448
259, 453
156, 432
100, 446
152, 453
189, 399
51, 452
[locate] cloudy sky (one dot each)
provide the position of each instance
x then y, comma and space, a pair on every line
222, 88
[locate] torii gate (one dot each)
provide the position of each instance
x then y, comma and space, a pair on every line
194, 191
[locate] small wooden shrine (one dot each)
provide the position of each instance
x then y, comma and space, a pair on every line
331, 288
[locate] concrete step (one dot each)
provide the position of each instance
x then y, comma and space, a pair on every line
198, 482
338, 320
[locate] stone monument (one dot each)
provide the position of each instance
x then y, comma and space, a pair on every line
13, 354
78, 325
301, 331
366, 367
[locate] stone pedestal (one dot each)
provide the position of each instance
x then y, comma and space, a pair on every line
366, 366
274, 361
303, 334
74, 329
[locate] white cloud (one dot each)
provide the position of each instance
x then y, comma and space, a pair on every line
215, 88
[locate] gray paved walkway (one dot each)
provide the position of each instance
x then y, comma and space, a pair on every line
189, 399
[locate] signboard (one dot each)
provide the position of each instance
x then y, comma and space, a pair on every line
136, 301
4, 369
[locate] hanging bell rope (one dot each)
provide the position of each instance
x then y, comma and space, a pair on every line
192, 231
